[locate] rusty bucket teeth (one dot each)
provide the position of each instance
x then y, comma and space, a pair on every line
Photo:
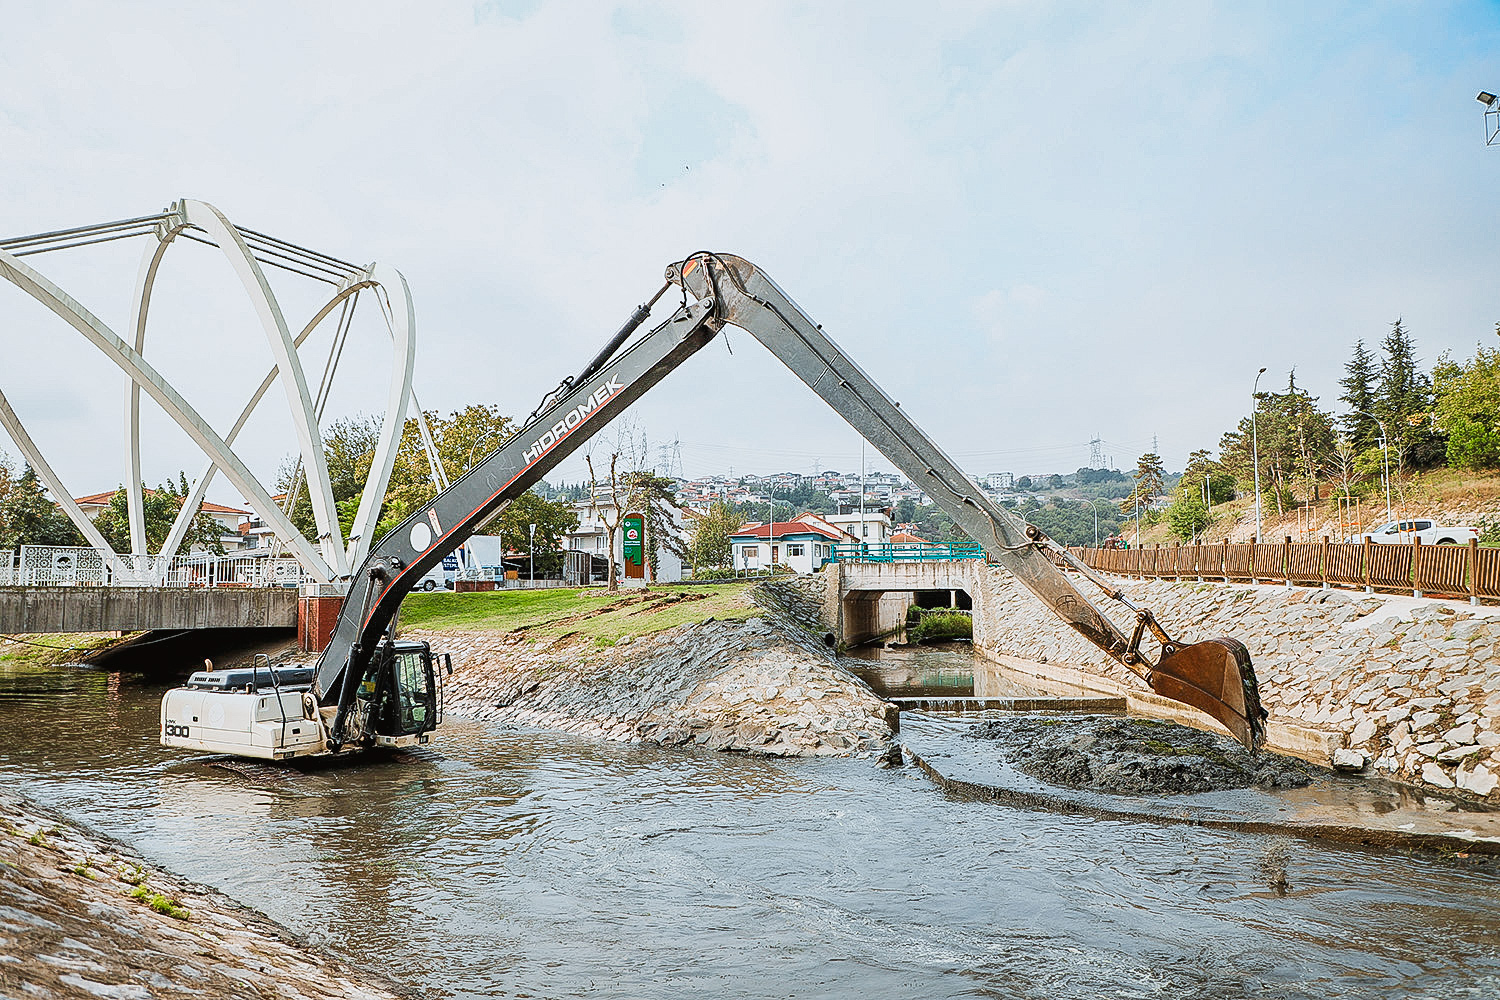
1216, 677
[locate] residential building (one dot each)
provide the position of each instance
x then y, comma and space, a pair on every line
593, 536
873, 527
798, 545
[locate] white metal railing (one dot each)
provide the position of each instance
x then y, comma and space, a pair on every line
79, 565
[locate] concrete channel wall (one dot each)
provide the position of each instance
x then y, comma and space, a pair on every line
130, 609
1412, 685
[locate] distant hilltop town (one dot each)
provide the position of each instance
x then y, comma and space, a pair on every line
844, 489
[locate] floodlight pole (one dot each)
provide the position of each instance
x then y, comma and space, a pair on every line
1255, 448
1491, 117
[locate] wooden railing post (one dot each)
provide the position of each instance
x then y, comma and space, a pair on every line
1474, 571
1286, 561
1224, 559
1252, 562
1323, 562
1416, 566
1364, 557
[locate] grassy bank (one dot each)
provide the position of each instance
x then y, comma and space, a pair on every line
590, 613
53, 647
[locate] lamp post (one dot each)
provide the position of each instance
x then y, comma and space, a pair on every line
1385, 462
1094, 502
531, 551
1491, 117
1255, 448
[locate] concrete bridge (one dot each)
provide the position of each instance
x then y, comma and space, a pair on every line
132, 609
869, 599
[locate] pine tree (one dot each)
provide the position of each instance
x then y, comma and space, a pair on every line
1361, 372
1403, 399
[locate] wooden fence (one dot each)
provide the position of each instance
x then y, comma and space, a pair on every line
1422, 570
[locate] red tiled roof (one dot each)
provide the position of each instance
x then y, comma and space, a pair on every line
784, 528
907, 538
104, 498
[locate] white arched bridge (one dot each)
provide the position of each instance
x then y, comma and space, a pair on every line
324, 563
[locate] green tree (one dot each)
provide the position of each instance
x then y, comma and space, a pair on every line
655, 497
159, 508
1360, 374
1467, 408
7, 477
711, 546
461, 440
1202, 466
1149, 481
28, 517
553, 520
1188, 517
1296, 444
1403, 399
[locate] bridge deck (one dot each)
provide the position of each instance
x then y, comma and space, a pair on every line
129, 609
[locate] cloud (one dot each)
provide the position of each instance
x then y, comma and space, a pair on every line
1030, 222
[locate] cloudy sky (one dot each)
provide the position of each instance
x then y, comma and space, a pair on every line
1033, 223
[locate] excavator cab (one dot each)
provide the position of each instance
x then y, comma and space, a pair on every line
398, 701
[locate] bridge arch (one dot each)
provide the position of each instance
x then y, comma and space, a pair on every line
246, 251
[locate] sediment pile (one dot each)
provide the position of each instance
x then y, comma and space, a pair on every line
81, 916
764, 685
1134, 756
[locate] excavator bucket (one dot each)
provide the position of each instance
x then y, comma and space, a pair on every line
1216, 677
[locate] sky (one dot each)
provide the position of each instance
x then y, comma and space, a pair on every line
1034, 224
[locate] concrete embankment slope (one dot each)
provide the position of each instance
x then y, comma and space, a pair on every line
765, 684
1412, 685
81, 916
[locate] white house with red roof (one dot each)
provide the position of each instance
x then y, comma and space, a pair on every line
229, 519
802, 544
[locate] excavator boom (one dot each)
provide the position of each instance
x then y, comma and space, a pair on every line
353, 680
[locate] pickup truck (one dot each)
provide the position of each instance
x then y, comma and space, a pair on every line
1406, 532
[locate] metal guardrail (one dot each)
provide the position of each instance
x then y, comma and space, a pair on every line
901, 552
1421, 570
85, 566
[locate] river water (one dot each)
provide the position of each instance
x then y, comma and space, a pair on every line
526, 864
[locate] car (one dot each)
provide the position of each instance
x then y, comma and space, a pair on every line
1407, 532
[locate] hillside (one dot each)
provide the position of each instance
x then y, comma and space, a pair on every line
1448, 496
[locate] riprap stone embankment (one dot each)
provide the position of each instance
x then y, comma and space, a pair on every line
1413, 686
77, 920
763, 685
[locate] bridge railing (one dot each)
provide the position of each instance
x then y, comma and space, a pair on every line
1468, 570
907, 552
85, 566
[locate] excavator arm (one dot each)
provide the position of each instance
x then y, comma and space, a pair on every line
718, 289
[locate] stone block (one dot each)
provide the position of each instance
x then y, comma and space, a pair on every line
1433, 774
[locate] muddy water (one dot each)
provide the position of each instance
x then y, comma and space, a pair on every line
539, 865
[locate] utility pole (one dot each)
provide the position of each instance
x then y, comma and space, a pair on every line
531, 552
1255, 448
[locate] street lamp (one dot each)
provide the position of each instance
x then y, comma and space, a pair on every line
1491, 116
1385, 458
1255, 448
531, 551
1094, 502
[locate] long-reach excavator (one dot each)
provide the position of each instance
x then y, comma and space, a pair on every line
368, 689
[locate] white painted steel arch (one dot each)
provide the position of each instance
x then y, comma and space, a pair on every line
331, 560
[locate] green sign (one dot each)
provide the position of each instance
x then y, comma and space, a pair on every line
634, 527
